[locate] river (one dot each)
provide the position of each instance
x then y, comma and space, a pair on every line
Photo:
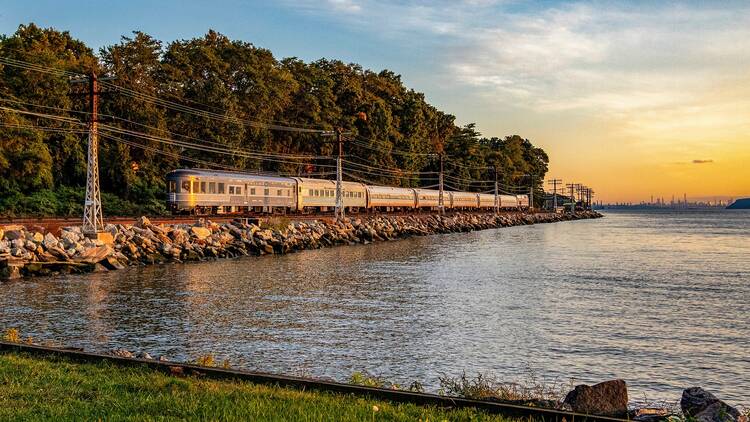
659, 299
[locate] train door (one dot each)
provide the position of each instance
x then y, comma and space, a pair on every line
266, 198
247, 198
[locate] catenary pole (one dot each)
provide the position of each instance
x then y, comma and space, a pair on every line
92, 208
339, 180
441, 203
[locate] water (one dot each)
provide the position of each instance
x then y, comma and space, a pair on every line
657, 298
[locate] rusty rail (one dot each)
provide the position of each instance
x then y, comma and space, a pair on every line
400, 396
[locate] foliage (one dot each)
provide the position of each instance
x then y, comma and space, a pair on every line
12, 336
205, 360
483, 387
56, 388
248, 88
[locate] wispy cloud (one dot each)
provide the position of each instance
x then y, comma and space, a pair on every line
612, 58
702, 161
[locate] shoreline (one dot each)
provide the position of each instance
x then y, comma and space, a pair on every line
27, 253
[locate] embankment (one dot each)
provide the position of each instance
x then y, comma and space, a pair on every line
25, 252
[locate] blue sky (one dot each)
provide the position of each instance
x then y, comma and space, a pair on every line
641, 89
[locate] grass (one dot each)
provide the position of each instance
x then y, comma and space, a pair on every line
54, 388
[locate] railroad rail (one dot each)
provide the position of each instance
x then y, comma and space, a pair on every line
400, 396
54, 224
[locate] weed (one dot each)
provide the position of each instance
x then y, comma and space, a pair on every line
205, 360
367, 380
12, 336
279, 224
484, 387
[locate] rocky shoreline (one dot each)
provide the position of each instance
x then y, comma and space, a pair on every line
25, 252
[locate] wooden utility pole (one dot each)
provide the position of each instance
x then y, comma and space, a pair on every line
572, 186
554, 183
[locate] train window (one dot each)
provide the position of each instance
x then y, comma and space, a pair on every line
186, 186
288, 192
310, 192
203, 187
316, 192
172, 186
238, 190
278, 192
211, 187
221, 188
196, 187
265, 191
231, 190
252, 191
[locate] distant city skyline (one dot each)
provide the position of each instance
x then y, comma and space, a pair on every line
629, 98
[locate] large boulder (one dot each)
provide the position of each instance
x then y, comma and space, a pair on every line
702, 406
609, 398
94, 255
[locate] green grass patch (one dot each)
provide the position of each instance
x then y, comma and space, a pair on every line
54, 388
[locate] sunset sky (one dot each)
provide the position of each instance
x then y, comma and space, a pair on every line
630, 98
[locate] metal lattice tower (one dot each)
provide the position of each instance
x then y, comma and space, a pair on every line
92, 207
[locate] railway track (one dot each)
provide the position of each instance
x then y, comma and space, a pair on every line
54, 224
506, 409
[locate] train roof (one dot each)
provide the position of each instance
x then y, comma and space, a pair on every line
227, 174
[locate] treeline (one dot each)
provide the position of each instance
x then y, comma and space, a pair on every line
250, 107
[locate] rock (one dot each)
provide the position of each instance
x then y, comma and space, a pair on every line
200, 232
609, 398
94, 255
121, 353
37, 237
10, 269
699, 404
144, 355
142, 222
50, 241
111, 263
70, 236
14, 234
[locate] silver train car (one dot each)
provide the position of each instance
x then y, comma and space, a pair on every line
209, 192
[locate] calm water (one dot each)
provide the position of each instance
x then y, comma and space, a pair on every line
659, 299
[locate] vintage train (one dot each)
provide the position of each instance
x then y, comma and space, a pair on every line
201, 192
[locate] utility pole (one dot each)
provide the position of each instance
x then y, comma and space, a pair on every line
554, 183
339, 186
572, 186
531, 194
497, 198
441, 203
92, 207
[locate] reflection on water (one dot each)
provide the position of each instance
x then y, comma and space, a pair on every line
659, 299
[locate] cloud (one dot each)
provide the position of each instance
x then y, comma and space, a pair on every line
666, 72
702, 161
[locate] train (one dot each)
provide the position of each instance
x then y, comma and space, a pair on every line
211, 192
